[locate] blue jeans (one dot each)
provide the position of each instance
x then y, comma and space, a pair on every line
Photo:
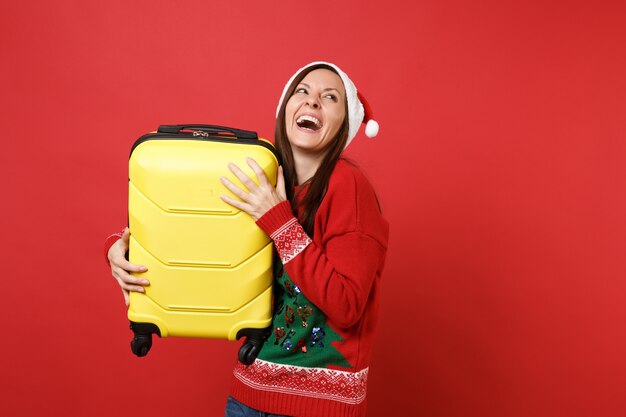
236, 409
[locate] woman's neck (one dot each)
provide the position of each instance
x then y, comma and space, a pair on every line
306, 165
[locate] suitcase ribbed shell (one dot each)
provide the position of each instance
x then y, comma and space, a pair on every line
209, 265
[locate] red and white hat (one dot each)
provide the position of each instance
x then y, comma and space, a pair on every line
359, 110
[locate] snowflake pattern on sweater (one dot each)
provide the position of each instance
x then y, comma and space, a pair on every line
329, 384
290, 240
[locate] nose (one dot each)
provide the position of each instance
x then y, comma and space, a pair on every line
313, 101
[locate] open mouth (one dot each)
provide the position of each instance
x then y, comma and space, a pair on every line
307, 122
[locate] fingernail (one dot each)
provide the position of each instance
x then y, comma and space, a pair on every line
145, 282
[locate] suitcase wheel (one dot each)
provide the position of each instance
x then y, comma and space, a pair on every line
141, 344
142, 340
248, 353
254, 342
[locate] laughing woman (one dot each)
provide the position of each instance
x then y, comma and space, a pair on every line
331, 243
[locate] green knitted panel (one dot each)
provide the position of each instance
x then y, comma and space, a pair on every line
300, 335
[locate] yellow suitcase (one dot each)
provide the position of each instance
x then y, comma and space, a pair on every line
209, 265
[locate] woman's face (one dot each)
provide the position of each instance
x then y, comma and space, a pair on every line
316, 111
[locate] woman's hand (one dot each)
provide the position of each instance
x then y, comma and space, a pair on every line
121, 268
260, 198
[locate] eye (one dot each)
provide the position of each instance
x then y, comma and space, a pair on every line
300, 90
331, 97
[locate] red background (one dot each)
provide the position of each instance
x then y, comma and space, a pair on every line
500, 165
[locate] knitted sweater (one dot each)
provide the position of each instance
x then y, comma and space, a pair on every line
316, 361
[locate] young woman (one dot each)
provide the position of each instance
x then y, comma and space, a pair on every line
331, 243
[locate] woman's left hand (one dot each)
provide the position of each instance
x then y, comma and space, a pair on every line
260, 198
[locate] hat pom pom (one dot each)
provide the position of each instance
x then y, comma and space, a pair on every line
371, 128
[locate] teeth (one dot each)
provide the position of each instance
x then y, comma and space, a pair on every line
311, 119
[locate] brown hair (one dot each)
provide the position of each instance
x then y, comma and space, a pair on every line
318, 184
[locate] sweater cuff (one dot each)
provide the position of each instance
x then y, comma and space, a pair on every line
109, 242
288, 235
276, 217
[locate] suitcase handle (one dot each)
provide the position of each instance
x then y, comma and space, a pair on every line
240, 134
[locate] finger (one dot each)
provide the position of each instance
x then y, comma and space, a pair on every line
128, 287
237, 204
127, 266
245, 180
234, 189
128, 278
280, 183
258, 171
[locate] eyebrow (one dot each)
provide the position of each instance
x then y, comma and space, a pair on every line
326, 89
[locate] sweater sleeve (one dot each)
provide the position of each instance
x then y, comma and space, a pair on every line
335, 271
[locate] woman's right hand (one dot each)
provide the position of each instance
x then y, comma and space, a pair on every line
121, 268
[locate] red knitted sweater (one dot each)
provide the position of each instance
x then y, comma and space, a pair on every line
316, 361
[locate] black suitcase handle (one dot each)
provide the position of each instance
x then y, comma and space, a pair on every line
239, 134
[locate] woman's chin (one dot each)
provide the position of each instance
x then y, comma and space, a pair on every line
308, 141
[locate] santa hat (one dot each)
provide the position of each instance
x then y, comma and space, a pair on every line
359, 110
